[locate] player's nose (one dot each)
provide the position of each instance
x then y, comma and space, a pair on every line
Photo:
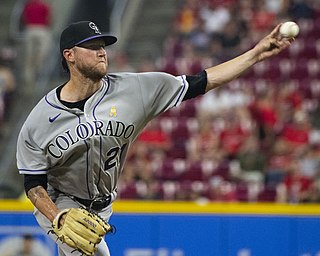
102, 51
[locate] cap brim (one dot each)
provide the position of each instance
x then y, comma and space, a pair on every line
108, 39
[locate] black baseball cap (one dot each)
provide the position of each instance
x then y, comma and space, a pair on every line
82, 31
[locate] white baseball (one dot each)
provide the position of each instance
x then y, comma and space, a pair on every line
289, 29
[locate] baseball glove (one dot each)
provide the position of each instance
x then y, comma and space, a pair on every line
81, 229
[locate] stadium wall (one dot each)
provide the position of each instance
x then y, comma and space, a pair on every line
191, 229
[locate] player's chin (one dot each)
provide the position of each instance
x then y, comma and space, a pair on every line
97, 74
103, 66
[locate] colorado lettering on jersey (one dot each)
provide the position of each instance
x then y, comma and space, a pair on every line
84, 131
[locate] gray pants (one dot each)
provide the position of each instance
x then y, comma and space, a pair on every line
64, 202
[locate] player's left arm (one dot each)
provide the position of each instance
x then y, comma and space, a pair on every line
267, 47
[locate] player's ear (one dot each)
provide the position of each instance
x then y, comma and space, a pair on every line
68, 54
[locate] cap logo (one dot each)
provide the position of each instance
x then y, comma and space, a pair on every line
94, 27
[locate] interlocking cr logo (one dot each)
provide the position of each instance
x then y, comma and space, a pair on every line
94, 27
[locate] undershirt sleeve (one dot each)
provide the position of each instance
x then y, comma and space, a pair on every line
32, 181
197, 85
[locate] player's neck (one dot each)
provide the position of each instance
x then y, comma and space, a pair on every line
76, 90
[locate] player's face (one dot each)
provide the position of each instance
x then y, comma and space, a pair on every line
91, 59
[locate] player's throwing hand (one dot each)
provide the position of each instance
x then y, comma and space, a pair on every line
272, 44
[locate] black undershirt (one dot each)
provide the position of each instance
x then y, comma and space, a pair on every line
197, 86
78, 104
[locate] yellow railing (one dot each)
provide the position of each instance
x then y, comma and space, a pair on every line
148, 207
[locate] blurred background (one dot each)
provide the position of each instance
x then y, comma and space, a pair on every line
256, 139
254, 142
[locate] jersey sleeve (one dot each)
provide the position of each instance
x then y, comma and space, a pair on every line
161, 91
30, 158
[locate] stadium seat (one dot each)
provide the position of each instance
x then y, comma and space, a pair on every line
129, 191
242, 192
300, 70
193, 172
313, 67
166, 170
268, 194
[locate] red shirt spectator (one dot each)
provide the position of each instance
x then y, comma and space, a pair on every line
36, 12
298, 187
294, 134
297, 132
154, 138
232, 138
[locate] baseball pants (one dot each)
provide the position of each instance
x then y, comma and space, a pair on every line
64, 202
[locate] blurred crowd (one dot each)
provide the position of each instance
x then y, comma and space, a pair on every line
256, 139
21, 61
7, 83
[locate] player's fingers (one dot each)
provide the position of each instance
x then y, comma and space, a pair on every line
275, 32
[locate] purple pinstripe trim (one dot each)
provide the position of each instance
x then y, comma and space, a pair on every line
54, 106
87, 163
100, 149
94, 108
184, 86
94, 116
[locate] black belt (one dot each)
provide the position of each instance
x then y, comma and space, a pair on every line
96, 204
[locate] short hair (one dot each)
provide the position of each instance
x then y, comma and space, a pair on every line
65, 65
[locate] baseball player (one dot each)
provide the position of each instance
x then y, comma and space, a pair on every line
73, 145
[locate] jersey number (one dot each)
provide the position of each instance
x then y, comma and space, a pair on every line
112, 154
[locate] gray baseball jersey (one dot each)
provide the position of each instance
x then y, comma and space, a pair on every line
83, 152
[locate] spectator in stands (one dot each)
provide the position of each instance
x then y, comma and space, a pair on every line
272, 103
232, 135
220, 101
309, 161
278, 7
262, 19
278, 163
187, 17
36, 21
301, 9
296, 133
205, 144
296, 187
216, 51
264, 113
215, 16
221, 190
7, 89
231, 38
119, 62
26, 245
154, 140
199, 38
252, 159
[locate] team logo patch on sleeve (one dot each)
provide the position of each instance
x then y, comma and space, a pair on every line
113, 112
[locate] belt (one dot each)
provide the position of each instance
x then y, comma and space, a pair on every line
96, 204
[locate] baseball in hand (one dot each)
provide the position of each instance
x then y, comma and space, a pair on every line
289, 29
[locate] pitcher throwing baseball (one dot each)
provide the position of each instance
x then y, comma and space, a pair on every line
73, 145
